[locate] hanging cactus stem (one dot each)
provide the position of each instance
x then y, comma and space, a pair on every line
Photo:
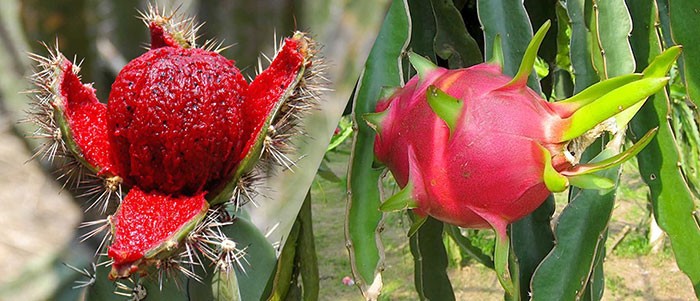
500, 262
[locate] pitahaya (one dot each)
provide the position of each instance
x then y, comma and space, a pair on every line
476, 148
182, 132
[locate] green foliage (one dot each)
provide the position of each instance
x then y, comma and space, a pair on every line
363, 219
659, 164
633, 245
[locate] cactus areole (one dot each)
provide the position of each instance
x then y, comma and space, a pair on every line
181, 129
479, 149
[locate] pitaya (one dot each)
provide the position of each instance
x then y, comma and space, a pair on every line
476, 148
182, 132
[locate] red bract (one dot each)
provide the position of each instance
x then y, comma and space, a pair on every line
182, 130
476, 148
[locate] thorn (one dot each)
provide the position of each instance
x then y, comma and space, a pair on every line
99, 226
84, 272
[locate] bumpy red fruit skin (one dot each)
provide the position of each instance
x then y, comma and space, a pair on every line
146, 220
175, 119
489, 172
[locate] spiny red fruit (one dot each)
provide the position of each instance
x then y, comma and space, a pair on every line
175, 119
476, 148
182, 128
146, 221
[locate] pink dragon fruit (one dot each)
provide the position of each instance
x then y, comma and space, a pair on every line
476, 148
182, 132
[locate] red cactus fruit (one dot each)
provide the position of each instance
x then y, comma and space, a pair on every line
175, 119
181, 131
151, 222
476, 148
